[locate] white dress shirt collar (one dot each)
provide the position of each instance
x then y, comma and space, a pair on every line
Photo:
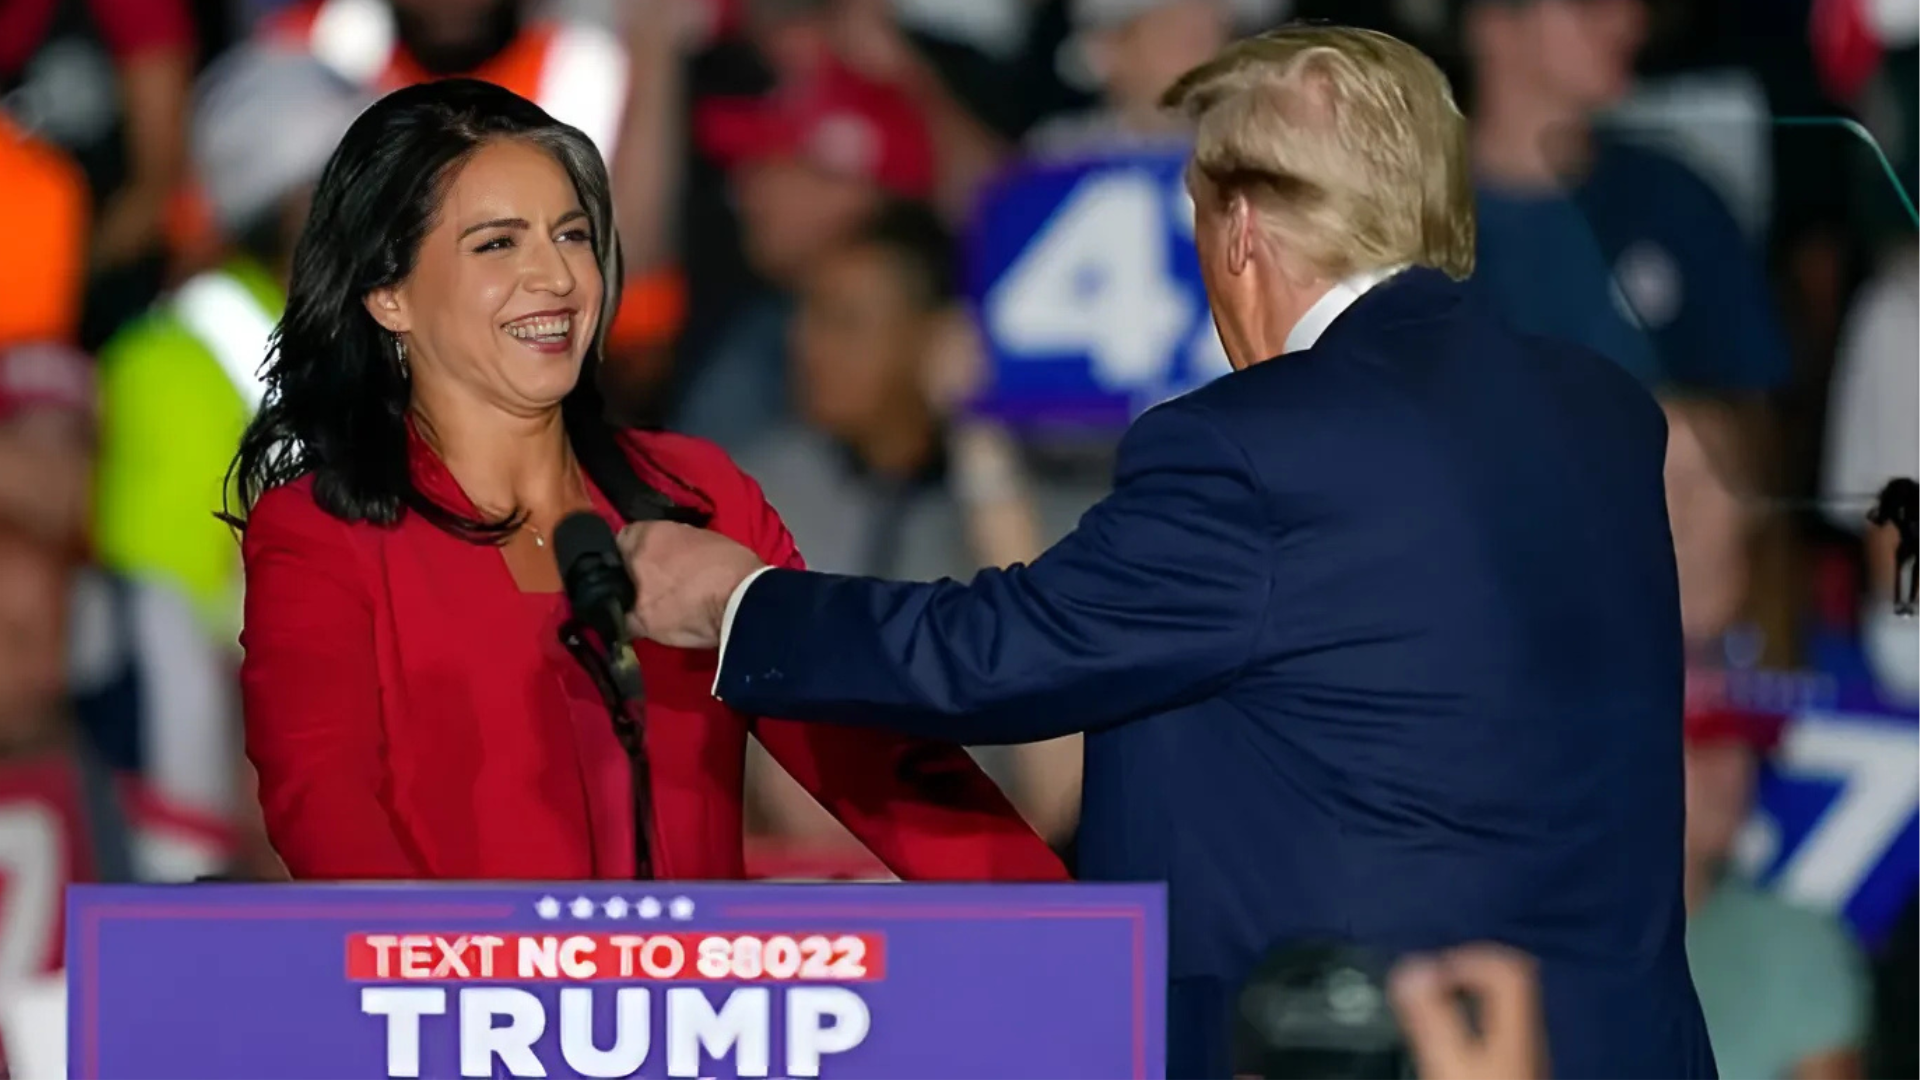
1328, 307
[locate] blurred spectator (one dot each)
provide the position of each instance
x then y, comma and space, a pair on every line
810, 162
1134, 50
864, 477
108, 80
1894, 1049
649, 165
152, 697
67, 816
1538, 67
1708, 482
860, 480
46, 193
1587, 236
868, 36
1783, 988
1873, 435
180, 383
1737, 603
1873, 405
576, 71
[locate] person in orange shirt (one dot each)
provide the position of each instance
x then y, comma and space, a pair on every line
109, 82
574, 70
47, 201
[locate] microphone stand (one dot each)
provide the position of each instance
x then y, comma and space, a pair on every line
618, 681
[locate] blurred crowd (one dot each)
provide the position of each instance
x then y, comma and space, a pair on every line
1714, 193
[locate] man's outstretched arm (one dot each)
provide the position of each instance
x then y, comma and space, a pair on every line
1158, 596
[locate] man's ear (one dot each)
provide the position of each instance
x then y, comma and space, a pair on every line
1242, 234
389, 309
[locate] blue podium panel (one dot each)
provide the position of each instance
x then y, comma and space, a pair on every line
232, 982
1088, 293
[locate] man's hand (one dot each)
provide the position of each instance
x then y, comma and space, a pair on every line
1505, 990
684, 577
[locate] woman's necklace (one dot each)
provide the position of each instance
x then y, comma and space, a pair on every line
540, 538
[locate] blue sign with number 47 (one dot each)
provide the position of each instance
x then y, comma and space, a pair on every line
1088, 292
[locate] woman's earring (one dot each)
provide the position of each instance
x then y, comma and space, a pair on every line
400, 357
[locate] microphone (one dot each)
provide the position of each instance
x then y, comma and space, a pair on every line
600, 595
599, 592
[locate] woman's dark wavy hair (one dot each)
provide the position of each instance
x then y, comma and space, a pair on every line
337, 397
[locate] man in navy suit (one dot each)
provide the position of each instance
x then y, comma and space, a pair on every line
1377, 638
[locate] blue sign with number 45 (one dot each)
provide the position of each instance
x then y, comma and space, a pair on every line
1088, 293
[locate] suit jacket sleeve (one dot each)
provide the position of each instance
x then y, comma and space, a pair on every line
922, 806
1157, 597
312, 696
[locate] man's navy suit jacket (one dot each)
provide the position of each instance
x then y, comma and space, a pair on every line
1378, 641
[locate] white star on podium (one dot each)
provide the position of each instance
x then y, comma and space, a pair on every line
547, 907
616, 907
583, 908
681, 908
648, 908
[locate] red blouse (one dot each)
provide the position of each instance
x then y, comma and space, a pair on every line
412, 714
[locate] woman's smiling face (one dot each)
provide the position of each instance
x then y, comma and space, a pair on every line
504, 298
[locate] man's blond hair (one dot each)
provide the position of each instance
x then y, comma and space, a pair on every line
1347, 142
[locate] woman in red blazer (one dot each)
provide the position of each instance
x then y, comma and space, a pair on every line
432, 415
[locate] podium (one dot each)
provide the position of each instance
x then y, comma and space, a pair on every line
846, 982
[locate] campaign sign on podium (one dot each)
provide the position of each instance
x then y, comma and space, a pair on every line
861, 982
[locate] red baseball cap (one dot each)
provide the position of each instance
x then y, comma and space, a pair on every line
47, 375
837, 121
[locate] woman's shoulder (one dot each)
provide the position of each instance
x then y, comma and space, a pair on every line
289, 515
693, 458
693, 471
285, 504
700, 473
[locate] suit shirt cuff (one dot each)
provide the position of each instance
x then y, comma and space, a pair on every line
726, 622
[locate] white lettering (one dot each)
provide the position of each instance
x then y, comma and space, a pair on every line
632, 1032
846, 1023
626, 944
741, 1027
576, 958
452, 964
1874, 762
403, 1007
415, 950
481, 1040
488, 945
539, 958
662, 957
383, 946
503, 1031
